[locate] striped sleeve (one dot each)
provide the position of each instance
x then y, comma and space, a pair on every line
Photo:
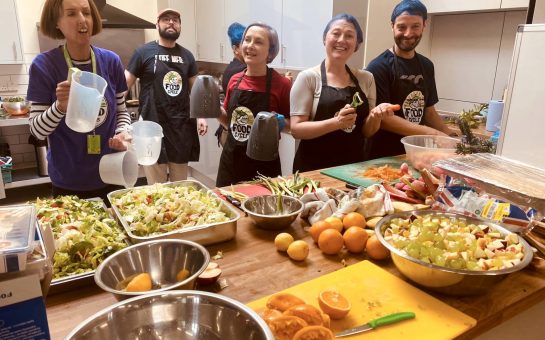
44, 119
123, 117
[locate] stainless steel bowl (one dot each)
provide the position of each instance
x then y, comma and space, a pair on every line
264, 210
447, 280
16, 108
179, 314
162, 259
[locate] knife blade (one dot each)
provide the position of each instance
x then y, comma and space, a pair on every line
385, 320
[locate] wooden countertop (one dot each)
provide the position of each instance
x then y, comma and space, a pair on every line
253, 269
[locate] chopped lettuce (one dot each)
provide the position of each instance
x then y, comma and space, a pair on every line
83, 231
157, 209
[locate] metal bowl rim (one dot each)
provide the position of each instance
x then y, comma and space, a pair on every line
528, 253
100, 268
220, 297
249, 212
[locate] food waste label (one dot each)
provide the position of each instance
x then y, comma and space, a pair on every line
22, 309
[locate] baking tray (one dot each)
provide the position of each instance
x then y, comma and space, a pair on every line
72, 282
203, 234
510, 180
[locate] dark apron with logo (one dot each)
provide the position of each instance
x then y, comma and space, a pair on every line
180, 142
386, 143
337, 147
235, 166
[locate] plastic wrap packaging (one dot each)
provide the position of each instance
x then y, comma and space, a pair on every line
513, 181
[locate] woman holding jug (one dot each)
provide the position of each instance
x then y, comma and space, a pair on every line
73, 157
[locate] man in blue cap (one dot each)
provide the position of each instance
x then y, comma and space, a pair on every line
235, 32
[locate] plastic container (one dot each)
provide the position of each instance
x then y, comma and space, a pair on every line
146, 136
120, 168
423, 150
86, 94
17, 230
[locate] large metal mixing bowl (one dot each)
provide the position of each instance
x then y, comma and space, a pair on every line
442, 279
265, 212
162, 259
177, 314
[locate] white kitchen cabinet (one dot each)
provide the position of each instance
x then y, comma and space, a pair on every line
246, 12
187, 10
302, 33
210, 26
513, 4
11, 51
448, 6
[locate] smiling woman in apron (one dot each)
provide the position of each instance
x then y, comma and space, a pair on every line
167, 72
332, 106
256, 89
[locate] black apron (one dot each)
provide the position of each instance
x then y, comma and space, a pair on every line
410, 94
168, 105
337, 147
235, 166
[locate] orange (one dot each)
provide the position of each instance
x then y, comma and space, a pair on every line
375, 249
334, 304
268, 313
317, 229
311, 314
283, 301
314, 333
335, 222
330, 241
140, 283
285, 327
355, 239
353, 219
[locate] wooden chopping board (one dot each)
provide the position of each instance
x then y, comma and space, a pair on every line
352, 173
375, 292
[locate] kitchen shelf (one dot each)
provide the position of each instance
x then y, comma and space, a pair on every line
25, 177
14, 120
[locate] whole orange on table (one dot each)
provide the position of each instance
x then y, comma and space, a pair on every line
355, 239
353, 219
335, 222
317, 228
330, 241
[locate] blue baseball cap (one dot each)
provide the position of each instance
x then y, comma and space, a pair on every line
235, 32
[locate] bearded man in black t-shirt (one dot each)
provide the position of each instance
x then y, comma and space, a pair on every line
407, 78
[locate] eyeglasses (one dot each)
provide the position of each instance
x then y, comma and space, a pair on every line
166, 20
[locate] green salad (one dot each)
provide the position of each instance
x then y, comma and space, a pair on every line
158, 208
84, 233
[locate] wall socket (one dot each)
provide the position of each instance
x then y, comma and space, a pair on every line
4, 87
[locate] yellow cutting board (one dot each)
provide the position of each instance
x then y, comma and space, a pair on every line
373, 293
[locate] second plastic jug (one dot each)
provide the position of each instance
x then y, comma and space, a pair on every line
146, 136
86, 94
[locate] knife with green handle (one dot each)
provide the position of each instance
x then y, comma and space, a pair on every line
385, 320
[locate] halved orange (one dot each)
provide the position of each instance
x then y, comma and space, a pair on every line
311, 314
285, 327
334, 304
283, 301
314, 333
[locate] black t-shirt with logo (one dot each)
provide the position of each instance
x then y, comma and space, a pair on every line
414, 89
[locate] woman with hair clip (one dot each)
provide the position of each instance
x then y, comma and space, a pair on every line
257, 88
73, 157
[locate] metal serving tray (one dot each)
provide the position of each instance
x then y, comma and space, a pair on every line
203, 234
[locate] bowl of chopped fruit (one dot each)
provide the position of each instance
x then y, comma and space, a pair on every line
451, 253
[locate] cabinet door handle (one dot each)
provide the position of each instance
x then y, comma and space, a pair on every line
14, 46
221, 51
198, 51
283, 59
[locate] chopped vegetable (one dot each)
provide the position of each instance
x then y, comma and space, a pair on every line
294, 186
84, 233
356, 100
159, 208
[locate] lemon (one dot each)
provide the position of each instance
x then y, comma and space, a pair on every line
298, 250
282, 241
